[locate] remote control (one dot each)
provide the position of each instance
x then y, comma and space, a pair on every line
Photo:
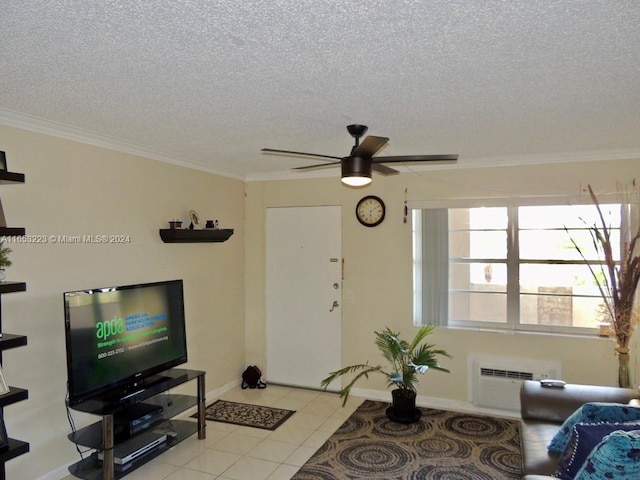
552, 383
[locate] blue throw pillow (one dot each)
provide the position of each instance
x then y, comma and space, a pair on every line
617, 457
593, 412
584, 438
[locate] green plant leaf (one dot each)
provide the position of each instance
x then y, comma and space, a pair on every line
407, 359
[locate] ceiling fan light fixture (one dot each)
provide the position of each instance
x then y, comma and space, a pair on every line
359, 164
356, 171
356, 181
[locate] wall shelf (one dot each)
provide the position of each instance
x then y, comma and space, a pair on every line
12, 231
15, 449
184, 235
10, 287
11, 177
14, 395
8, 340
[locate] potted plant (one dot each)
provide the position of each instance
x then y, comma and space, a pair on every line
4, 260
407, 360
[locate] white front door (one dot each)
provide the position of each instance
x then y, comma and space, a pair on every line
304, 294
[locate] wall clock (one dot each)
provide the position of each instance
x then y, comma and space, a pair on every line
370, 211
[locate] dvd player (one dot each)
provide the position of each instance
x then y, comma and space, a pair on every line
136, 447
136, 418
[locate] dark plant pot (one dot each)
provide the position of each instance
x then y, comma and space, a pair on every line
403, 408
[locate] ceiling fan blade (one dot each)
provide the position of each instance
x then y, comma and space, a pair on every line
302, 154
307, 167
369, 147
416, 158
383, 169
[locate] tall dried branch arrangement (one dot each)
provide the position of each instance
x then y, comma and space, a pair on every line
619, 287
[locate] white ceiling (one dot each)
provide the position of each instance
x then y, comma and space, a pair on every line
209, 83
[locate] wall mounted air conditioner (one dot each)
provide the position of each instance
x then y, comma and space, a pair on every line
494, 382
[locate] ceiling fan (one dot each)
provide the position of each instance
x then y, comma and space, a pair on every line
358, 165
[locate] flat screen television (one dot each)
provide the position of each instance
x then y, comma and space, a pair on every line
119, 337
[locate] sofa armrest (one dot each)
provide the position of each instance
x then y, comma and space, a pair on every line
556, 404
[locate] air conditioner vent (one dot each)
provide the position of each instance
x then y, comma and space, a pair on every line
494, 382
498, 373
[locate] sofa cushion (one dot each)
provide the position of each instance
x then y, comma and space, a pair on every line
617, 457
584, 438
593, 412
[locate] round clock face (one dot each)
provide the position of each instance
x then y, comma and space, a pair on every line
370, 211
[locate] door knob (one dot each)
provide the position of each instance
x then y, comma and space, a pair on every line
334, 305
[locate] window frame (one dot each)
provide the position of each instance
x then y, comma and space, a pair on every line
512, 262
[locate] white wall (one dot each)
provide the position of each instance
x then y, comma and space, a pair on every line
76, 189
378, 267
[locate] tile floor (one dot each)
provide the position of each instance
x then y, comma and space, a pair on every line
233, 452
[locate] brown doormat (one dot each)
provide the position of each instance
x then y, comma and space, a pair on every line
256, 416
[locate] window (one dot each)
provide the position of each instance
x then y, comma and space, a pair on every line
509, 267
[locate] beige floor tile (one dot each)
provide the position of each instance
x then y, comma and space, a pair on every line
221, 426
300, 456
155, 469
237, 443
272, 450
280, 389
213, 461
254, 432
283, 472
186, 474
291, 434
306, 420
322, 406
254, 396
248, 468
214, 436
317, 439
331, 424
302, 394
287, 403
184, 452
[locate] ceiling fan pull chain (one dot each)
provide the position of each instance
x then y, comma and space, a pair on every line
406, 209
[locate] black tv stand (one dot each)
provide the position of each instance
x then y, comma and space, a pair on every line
123, 395
104, 436
150, 381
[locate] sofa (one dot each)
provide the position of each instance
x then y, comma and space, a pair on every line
543, 411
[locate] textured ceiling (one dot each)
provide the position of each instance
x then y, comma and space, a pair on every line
209, 83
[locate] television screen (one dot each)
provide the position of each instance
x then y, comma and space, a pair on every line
118, 336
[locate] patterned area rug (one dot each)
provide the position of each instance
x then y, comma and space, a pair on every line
256, 416
442, 445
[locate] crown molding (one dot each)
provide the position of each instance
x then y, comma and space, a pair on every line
59, 130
